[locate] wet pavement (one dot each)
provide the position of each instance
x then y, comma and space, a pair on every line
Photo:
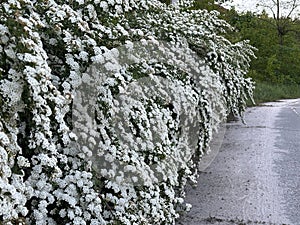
288, 164
255, 175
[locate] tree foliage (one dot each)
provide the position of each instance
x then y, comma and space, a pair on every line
282, 12
276, 60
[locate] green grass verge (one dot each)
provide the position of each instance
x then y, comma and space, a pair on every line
266, 92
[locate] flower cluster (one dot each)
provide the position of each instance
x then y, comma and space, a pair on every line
108, 105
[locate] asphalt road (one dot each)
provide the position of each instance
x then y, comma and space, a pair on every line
255, 176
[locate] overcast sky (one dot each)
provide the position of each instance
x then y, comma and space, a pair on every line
241, 5
251, 5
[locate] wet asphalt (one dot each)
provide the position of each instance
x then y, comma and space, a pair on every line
253, 174
288, 164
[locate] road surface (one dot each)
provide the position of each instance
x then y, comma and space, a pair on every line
255, 177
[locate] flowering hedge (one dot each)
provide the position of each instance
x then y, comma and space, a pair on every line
165, 79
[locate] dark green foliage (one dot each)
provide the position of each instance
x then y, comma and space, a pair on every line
276, 63
208, 5
166, 1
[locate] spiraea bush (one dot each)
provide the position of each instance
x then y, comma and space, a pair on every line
108, 105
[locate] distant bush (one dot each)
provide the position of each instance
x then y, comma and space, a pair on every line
111, 145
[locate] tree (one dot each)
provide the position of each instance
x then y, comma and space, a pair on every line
275, 62
282, 12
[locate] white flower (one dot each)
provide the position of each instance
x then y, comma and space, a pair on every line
80, 2
24, 211
73, 136
6, 171
84, 55
71, 214
129, 44
30, 58
61, 14
111, 2
3, 30
75, 79
86, 216
98, 59
4, 140
10, 52
104, 6
119, 10
3, 155
62, 213
52, 41
71, 62
188, 206
23, 162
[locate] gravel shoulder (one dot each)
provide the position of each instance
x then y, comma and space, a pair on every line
254, 177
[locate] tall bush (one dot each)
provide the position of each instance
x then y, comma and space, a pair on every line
107, 107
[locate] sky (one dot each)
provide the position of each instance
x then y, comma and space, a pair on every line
251, 5
241, 5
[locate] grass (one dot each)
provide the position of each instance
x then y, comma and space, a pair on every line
266, 92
